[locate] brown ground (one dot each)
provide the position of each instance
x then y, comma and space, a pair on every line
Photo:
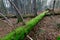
46, 29
5, 28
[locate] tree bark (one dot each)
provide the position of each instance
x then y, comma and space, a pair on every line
19, 16
34, 7
54, 4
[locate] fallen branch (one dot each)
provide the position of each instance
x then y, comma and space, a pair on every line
8, 21
29, 37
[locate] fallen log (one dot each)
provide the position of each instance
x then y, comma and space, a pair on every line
21, 32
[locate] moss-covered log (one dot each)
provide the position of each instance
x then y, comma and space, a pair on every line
21, 32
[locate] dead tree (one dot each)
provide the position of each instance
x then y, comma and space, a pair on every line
54, 4
19, 16
2, 7
34, 7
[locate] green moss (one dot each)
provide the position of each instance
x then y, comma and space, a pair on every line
58, 38
21, 32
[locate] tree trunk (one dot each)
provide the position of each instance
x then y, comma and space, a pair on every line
54, 4
3, 8
34, 7
19, 16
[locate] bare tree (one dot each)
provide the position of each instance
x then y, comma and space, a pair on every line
54, 4
2, 7
3, 12
34, 7
19, 16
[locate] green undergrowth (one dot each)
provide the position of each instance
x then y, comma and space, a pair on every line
58, 38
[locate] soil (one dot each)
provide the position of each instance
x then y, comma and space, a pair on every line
46, 29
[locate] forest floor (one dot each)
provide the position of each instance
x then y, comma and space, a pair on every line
5, 28
46, 29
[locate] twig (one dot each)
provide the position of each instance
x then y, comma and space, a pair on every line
29, 37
